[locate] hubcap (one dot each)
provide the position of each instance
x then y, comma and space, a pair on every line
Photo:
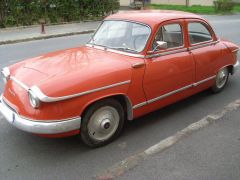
221, 78
103, 123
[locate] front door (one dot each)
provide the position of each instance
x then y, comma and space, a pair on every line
169, 70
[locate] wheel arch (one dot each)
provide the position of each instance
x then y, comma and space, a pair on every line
123, 99
230, 69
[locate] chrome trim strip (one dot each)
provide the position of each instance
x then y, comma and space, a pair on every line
6, 72
236, 50
138, 65
236, 67
203, 81
37, 126
115, 51
172, 93
44, 98
126, 53
203, 45
169, 94
129, 107
167, 53
19, 83
140, 105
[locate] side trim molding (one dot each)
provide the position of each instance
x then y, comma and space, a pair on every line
172, 92
44, 98
236, 50
196, 46
167, 53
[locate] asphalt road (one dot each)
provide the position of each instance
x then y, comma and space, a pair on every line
26, 156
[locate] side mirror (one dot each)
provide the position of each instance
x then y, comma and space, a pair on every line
161, 45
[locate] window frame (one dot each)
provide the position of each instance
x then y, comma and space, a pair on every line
207, 26
179, 22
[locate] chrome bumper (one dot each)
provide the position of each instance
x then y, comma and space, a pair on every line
37, 126
235, 67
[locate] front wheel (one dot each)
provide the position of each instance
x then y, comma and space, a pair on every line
221, 80
102, 122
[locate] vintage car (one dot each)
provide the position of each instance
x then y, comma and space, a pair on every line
135, 63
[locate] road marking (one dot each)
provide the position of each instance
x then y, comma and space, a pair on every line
127, 164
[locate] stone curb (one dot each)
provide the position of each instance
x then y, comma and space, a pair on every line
46, 37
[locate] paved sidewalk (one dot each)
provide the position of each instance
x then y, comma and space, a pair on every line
206, 149
14, 35
211, 153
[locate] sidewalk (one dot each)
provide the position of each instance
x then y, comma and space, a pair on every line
207, 149
14, 35
211, 153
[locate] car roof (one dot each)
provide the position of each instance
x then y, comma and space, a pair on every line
151, 17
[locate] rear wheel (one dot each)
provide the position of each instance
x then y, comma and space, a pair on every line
221, 80
102, 122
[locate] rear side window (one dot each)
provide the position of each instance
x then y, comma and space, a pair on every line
170, 33
198, 33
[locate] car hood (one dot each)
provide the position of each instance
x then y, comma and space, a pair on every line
73, 70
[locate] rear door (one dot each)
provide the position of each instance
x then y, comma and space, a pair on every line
205, 49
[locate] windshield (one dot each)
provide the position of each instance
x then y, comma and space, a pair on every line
122, 35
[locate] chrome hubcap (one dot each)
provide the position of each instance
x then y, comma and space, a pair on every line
221, 78
103, 123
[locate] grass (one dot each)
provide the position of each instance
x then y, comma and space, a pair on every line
193, 9
236, 8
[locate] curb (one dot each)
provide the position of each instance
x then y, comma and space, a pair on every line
46, 37
50, 24
129, 163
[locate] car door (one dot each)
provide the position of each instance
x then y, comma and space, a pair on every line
205, 48
171, 70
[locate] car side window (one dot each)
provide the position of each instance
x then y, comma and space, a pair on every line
198, 33
171, 34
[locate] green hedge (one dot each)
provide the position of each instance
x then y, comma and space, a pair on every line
224, 5
28, 12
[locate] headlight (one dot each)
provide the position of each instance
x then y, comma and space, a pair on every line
5, 73
34, 101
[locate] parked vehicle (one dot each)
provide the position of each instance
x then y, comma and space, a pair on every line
135, 63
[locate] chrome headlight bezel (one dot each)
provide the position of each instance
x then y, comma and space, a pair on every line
33, 99
5, 73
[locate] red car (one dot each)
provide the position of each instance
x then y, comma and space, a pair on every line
135, 63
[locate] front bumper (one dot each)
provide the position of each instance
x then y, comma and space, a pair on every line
236, 67
38, 126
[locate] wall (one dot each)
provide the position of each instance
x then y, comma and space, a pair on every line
175, 2
124, 2
201, 2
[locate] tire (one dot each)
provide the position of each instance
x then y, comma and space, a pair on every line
102, 123
221, 80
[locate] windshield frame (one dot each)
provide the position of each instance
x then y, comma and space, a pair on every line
112, 48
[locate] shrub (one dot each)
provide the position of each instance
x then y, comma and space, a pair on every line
223, 5
27, 12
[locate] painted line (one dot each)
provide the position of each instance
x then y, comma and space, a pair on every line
127, 164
